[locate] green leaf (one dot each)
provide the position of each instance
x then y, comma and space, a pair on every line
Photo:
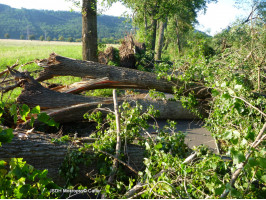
231, 92
24, 112
32, 121
263, 178
226, 96
158, 146
43, 117
223, 84
6, 135
24, 189
236, 134
228, 135
238, 158
36, 110
252, 162
147, 146
238, 87
219, 191
3, 163
262, 162
13, 112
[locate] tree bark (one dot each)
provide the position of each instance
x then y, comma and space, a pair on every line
89, 30
118, 76
178, 40
158, 53
65, 108
38, 150
153, 36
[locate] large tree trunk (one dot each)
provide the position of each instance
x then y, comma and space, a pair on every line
38, 150
89, 30
118, 76
65, 107
178, 40
158, 53
153, 35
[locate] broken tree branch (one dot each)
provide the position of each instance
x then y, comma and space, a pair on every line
118, 142
118, 76
236, 174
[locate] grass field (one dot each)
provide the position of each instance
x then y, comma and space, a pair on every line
25, 51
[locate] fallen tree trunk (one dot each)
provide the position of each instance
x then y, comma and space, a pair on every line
64, 107
168, 110
35, 94
38, 150
61, 66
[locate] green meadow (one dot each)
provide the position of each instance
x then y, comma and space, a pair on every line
26, 50
23, 51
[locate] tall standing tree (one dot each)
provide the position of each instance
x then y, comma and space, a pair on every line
89, 30
159, 47
148, 12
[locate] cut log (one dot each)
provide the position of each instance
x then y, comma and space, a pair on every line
124, 77
38, 150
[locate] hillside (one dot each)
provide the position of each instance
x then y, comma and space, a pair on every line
18, 22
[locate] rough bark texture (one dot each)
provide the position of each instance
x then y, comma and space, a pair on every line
62, 66
158, 54
35, 94
178, 38
89, 30
168, 110
37, 150
153, 36
68, 107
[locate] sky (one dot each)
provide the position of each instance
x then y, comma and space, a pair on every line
218, 16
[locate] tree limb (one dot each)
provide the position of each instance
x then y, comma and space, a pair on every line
235, 175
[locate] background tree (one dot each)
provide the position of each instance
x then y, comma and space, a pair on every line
61, 38
48, 38
31, 37
70, 39
41, 38
89, 30
22, 37
181, 14
7, 36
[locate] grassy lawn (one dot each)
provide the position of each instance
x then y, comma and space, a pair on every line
25, 51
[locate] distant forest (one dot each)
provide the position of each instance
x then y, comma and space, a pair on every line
56, 25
